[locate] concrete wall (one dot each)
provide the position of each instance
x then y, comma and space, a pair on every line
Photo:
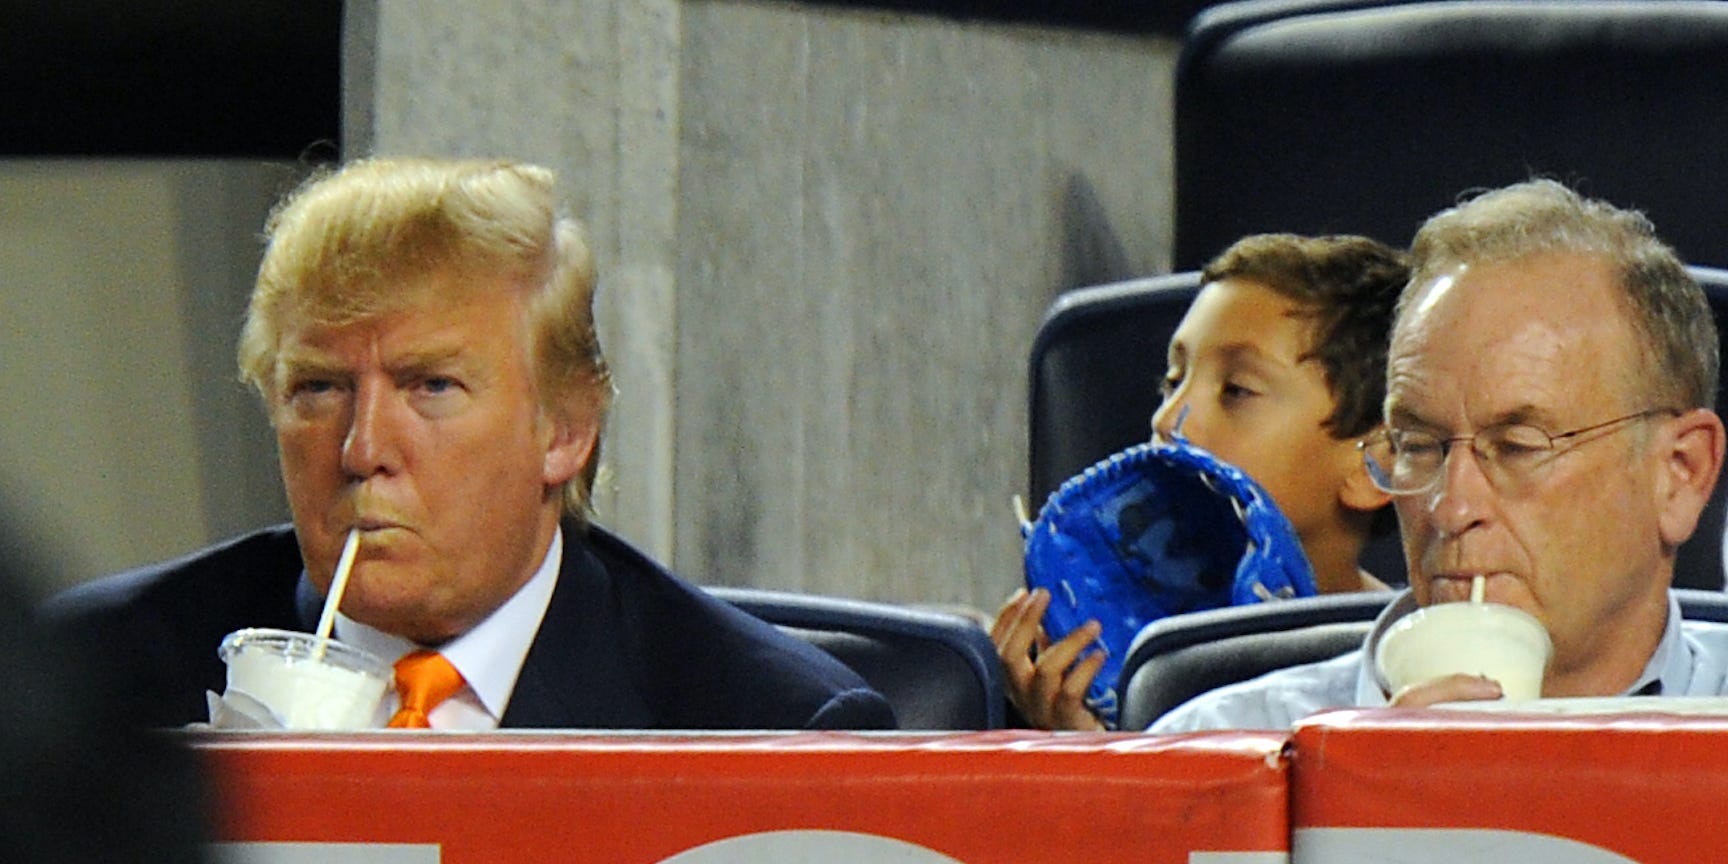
825, 239
125, 437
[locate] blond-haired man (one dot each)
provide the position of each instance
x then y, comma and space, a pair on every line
422, 336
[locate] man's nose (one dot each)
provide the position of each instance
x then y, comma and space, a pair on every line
1462, 493
370, 446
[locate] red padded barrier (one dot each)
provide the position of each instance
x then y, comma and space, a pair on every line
1442, 786
512, 798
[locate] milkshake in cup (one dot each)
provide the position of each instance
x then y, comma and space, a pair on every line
305, 682
1492, 640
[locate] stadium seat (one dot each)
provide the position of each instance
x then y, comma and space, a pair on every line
1345, 116
938, 670
1177, 658
1700, 563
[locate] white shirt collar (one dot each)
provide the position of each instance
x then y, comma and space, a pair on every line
489, 655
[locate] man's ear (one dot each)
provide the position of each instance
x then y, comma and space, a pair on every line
572, 434
1690, 461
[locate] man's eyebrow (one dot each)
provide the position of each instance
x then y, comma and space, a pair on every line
425, 358
312, 360
1402, 415
302, 361
1524, 414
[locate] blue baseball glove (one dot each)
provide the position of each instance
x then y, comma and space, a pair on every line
1158, 529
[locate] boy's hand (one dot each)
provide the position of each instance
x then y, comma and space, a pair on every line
1049, 687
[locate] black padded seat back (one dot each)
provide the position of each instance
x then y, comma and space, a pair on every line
1366, 118
938, 670
1702, 605
1177, 658
1097, 366
1699, 563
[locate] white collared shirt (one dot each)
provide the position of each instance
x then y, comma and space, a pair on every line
489, 655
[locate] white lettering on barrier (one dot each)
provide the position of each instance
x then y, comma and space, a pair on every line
798, 847
772, 847
325, 853
1442, 846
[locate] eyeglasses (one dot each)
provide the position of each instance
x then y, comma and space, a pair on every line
1403, 462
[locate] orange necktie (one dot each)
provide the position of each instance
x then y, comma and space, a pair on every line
423, 679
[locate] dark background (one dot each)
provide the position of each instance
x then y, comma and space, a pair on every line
164, 78
262, 78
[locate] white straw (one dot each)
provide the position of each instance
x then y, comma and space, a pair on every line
1478, 586
338, 585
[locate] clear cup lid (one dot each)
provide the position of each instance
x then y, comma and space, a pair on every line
298, 647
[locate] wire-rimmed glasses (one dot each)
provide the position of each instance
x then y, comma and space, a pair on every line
1511, 455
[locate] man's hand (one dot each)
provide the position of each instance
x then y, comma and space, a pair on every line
1452, 688
1048, 689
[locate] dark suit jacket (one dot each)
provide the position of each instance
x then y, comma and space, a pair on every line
624, 644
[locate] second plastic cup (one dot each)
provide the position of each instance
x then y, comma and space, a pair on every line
1493, 640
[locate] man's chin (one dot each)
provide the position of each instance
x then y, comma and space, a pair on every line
389, 593
409, 621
